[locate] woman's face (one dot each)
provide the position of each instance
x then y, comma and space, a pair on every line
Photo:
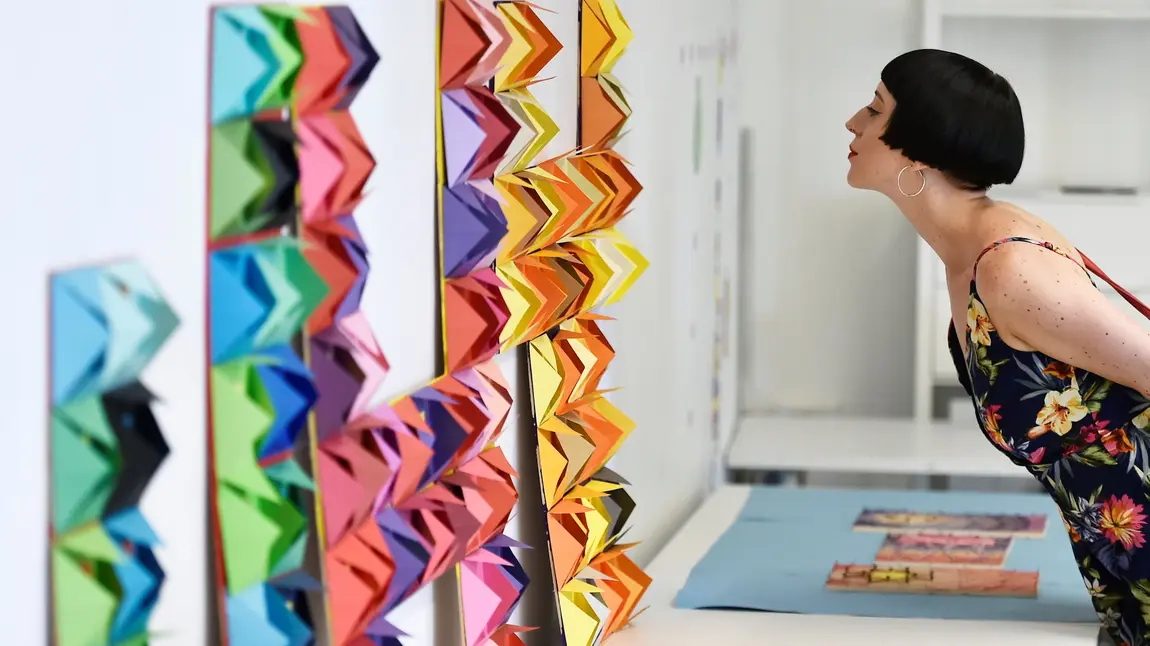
873, 165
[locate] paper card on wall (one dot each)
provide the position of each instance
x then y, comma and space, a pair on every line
546, 287
265, 57
349, 369
531, 47
603, 111
472, 44
261, 293
492, 581
579, 199
475, 316
563, 198
335, 249
255, 59
622, 587
254, 174
285, 148
334, 163
383, 476
327, 62
572, 448
259, 408
114, 607
360, 51
477, 132
605, 34
535, 130
609, 172
107, 324
473, 227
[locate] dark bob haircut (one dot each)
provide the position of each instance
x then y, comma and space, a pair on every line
956, 116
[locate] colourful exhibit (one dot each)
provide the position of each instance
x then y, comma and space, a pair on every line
329, 507
106, 324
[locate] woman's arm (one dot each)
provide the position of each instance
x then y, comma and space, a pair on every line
1047, 302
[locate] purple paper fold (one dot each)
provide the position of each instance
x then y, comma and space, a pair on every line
473, 227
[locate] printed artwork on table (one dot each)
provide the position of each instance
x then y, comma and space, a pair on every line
904, 521
941, 550
925, 579
107, 323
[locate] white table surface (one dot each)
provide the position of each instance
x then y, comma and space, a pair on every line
866, 445
664, 625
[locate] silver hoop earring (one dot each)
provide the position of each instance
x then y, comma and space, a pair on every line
898, 182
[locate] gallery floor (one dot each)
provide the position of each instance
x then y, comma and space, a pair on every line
663, 624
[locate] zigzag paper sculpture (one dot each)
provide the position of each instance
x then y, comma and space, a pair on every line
573, 261
107, 324
291, 356
588, 508
413, 489
547, 227
475, 133
479, 131
605, 36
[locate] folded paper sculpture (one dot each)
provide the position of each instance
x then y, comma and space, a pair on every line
107, 323
329, 506
528, 250
412, 489
603, 107
588, 508
483, 46
562, 259
291, 357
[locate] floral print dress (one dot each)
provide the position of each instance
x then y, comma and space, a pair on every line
1087, 440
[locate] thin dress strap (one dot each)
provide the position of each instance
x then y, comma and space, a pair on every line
1041, 243
1087, 265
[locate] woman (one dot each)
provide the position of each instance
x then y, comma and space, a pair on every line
1060, 377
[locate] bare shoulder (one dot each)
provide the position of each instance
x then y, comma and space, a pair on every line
1016, 269
1023, 283
1039, 299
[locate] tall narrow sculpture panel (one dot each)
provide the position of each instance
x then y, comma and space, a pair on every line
286, 267
557, 258
486, 119
107, 322
579, 430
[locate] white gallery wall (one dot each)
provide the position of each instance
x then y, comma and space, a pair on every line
105, 158
830, 270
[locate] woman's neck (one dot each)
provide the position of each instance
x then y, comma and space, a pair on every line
945, 217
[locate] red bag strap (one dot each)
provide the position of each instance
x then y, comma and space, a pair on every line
1130, 298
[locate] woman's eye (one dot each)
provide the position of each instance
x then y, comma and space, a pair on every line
872, 111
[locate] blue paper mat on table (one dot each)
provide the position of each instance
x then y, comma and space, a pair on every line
777, 555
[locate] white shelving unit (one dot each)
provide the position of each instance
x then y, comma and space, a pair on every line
1059, 9
1078, 68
